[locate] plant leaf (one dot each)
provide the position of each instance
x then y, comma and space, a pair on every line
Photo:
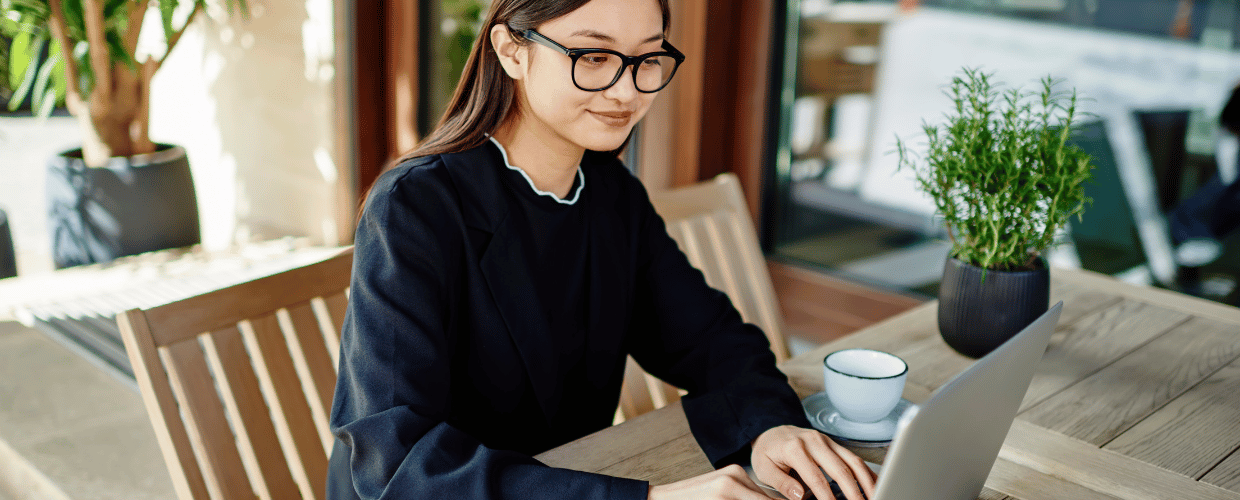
42, 84
48, 103
116, 46
33, 50
75, 22
37, 8
86, 73
166, 10
58, 74
113, 7
19, 57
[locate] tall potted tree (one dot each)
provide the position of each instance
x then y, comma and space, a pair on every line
120, 193
1005, 178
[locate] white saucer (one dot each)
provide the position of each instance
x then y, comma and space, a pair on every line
827, 420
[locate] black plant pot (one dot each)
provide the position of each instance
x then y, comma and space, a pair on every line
133, 205
975, 317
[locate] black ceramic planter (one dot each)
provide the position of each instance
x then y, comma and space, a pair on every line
133, 205
977, 317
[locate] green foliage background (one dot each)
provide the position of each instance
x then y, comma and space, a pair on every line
25, 22
467, 16
1001, 170
21, 69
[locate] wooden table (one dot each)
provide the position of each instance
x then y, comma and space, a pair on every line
1138, 397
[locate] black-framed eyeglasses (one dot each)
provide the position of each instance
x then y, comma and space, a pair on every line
595, 70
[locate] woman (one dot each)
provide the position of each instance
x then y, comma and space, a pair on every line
505, 269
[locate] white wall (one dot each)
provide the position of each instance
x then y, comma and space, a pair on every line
258, 105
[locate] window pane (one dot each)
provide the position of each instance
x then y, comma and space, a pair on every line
453, 26
1156, 74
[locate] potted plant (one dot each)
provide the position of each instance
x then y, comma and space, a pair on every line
120, 193
1005, 178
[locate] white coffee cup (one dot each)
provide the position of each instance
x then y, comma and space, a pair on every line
864, 385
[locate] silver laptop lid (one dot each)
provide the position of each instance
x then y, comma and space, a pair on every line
944, 448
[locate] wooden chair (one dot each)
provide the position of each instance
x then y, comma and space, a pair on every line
711, 223
238, 382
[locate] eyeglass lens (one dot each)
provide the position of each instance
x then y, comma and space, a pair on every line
596, 70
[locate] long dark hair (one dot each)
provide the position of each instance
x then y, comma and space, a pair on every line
485, 95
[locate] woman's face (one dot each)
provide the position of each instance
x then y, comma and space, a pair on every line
555, 107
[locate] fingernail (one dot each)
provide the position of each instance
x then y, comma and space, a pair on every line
796, 494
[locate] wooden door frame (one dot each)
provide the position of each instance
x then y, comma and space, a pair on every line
696, 131
386, 40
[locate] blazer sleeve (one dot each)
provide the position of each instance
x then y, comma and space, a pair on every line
690, 335
393, 392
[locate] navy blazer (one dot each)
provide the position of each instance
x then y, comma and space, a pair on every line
447, 380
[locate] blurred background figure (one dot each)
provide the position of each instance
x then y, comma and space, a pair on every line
1203, 223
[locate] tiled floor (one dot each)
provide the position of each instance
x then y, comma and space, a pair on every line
78, 431
75, 431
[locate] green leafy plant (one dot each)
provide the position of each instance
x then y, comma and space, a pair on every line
105, 83
466, 19
23, 73
1001, 170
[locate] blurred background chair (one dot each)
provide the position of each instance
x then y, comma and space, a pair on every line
711, 223
1177, 172
1106, 237
238, 382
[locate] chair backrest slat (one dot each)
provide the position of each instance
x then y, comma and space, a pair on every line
723, 259
294, 424
241, 411
204, 415
710, 222
330, 310
161, 406
218, 309
313, 364
251, 417
661, 393
638, 399
714, 215
764, 301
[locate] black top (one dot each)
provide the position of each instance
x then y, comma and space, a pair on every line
456, 365
556, 235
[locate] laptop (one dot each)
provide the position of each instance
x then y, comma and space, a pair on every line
945, 447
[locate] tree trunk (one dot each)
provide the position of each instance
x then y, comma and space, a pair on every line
117, 124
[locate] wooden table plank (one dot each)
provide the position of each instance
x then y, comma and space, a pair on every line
1104, 471
1082, 346
1023, 483
914, 336
614, 444
1149, 366
1226, 474
1105, 404
676, 460
1165, 298
989, 494
1192, 433
1078, 301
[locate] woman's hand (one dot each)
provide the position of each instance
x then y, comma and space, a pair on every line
782, 450
728, 483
